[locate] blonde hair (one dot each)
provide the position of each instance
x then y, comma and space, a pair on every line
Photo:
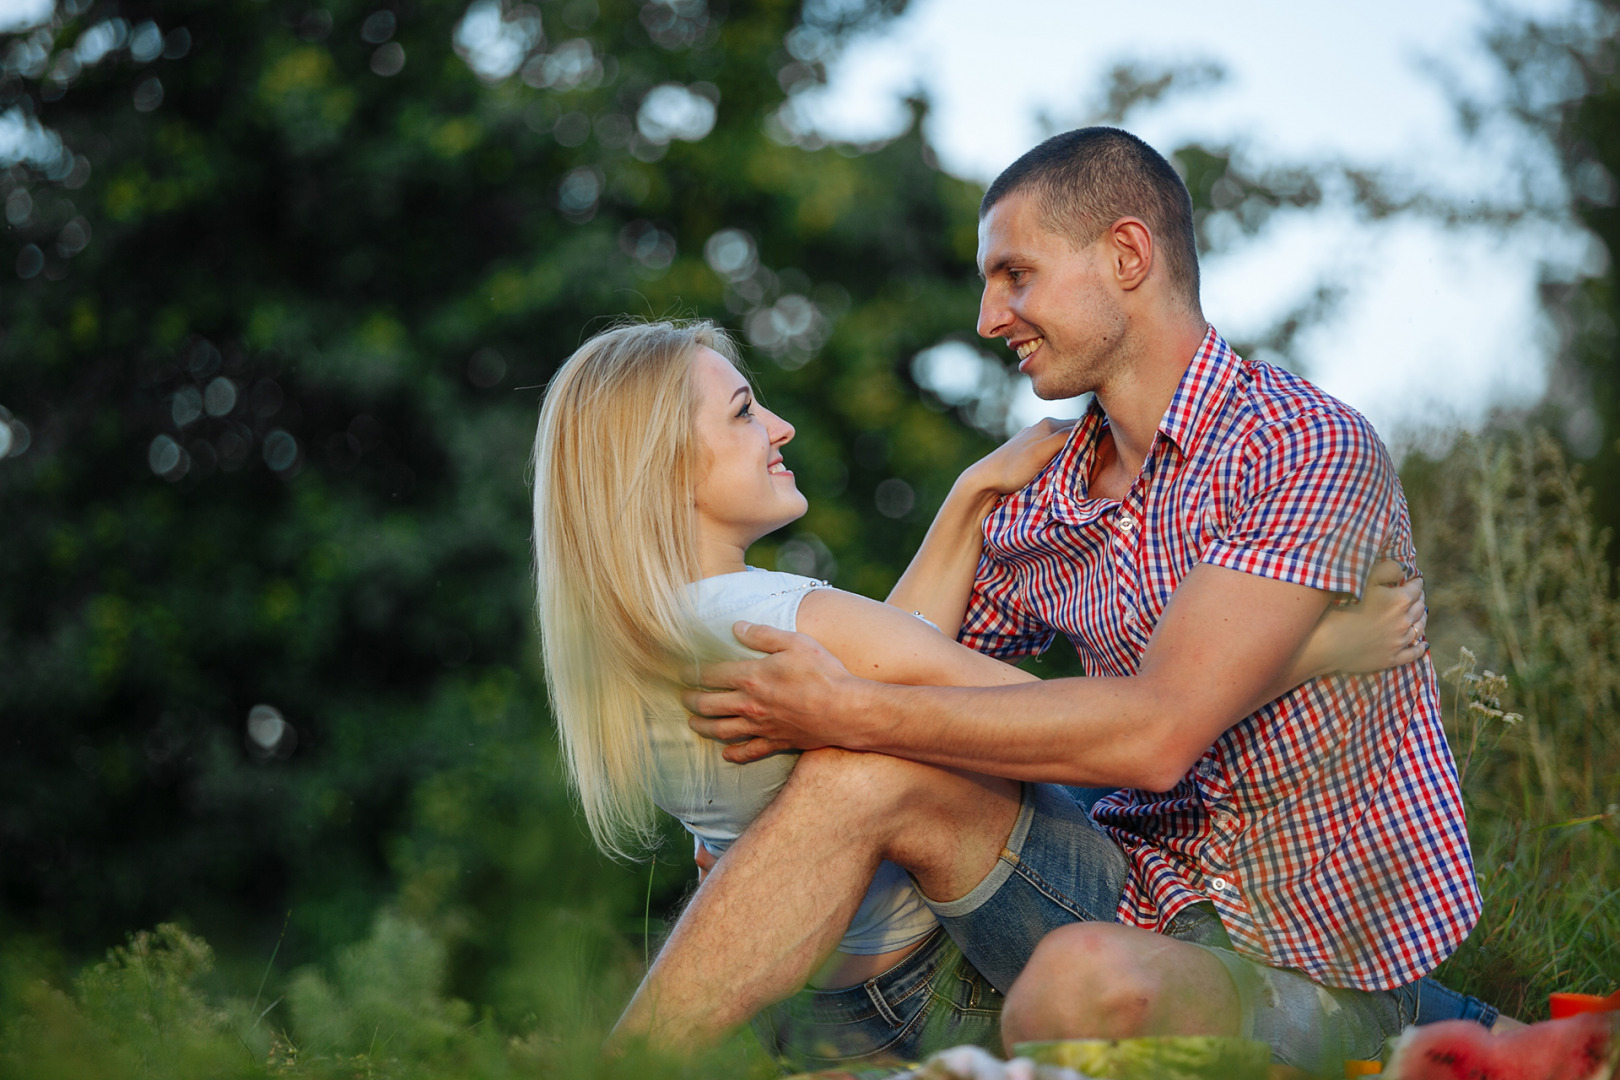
615, 544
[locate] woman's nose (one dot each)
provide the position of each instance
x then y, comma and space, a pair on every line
780, 431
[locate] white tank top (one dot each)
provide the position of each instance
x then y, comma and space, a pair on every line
893, 914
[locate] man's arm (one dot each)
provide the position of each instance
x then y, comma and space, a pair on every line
1224, 641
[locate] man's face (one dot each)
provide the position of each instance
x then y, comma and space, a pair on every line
1050, 301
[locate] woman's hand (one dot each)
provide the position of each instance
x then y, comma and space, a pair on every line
1384, 630
704, 858
1020, 459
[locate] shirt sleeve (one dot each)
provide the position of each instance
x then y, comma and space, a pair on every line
996, 623
1317, 501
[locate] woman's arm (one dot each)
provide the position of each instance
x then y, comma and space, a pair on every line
1384, 630
939, 580
881, 642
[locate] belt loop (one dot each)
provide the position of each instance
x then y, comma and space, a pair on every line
882, 1006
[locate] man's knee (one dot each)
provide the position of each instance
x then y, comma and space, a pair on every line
1084, 981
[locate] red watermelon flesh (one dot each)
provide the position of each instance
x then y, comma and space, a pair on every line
1581, 1047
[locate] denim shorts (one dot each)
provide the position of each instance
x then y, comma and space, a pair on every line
930, 1000
1058, 867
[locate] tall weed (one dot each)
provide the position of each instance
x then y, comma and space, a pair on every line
1517, 574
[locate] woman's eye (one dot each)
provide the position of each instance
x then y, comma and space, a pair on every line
746, 412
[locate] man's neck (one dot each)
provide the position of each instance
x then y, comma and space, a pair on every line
1138, 394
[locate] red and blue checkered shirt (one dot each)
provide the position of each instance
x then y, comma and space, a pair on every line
1326, 827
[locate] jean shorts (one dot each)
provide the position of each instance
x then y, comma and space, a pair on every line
1058, 867
930, 1000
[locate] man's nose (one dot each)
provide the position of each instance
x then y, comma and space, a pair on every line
994, 318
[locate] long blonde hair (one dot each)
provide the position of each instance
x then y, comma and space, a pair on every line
615, 544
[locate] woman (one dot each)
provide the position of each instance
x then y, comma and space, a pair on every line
655, 469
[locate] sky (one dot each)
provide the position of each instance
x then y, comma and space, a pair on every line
1434, 327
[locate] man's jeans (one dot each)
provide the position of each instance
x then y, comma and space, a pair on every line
1058, 868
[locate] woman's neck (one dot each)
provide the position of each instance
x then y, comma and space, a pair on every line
720, 555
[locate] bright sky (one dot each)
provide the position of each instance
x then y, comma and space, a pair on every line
1436, 326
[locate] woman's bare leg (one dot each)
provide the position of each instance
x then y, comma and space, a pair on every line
778, 903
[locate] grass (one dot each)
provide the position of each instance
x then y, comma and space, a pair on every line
1520, 593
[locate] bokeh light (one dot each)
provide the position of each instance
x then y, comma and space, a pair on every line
672, 111
269, 735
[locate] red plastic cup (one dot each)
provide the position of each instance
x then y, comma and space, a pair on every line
1563, 1005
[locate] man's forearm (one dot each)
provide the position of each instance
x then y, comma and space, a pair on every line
1091, 732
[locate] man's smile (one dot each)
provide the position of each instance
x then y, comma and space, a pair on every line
1026, 349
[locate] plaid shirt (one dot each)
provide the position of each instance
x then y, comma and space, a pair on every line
1326, 827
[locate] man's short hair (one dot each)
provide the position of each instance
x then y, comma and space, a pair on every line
1087, 179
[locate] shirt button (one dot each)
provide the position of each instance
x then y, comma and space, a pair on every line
1127, 524
1219, 884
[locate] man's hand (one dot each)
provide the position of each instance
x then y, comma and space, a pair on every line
780, 702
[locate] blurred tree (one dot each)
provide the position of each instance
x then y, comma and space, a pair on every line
289, 279
1562, 79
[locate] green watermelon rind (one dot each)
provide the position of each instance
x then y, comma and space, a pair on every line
1181, 1057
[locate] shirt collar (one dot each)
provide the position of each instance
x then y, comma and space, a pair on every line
1206, 381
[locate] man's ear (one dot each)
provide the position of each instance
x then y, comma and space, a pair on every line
1133, 252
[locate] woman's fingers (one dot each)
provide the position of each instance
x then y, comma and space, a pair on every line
1386, 572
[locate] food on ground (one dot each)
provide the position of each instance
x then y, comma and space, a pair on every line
1584, 1047
1183, 1057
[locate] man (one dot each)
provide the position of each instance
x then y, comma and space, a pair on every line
1285, 869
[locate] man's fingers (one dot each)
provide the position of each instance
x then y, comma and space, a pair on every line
722, 729
752, 750
709, 702
762, 637
722, 675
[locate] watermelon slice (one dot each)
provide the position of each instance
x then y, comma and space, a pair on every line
1184, 1057
1584, 1047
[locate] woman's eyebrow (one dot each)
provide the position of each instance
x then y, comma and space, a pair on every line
739, 390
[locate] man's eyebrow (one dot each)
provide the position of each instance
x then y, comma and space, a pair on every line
1002, 264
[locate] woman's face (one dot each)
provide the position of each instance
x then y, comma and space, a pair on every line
743, 489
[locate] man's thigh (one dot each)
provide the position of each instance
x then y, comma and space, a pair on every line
1056, 868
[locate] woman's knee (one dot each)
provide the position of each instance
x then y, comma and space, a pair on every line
1084, 981
846, 784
